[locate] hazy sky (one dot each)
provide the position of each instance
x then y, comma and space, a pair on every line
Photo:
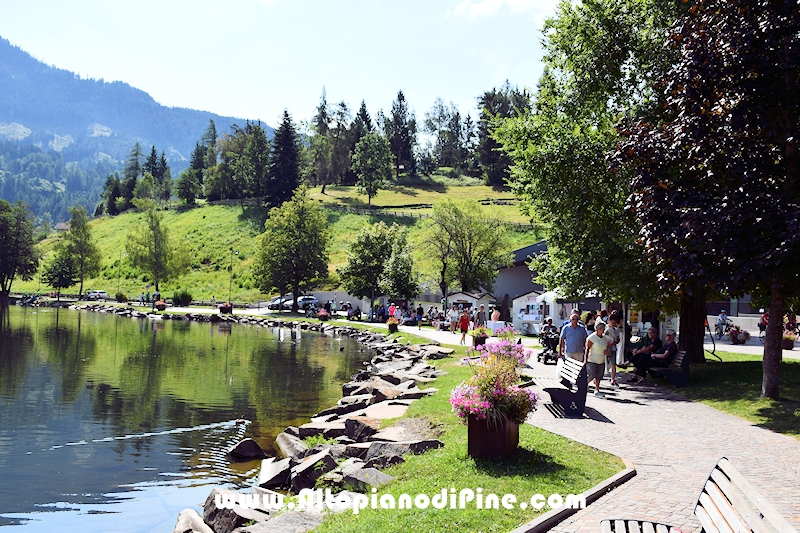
253, 58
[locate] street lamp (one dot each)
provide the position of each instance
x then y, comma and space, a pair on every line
230, 281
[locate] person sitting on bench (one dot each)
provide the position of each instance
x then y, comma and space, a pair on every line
659, 358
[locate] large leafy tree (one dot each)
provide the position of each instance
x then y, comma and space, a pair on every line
284, 171
367, 257
399, 277
717, 186
372, 164
150, 250
80, 246
603, 57
293, 248
18, 256
468, 245
61, 271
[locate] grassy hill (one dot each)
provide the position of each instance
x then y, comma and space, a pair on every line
213, 230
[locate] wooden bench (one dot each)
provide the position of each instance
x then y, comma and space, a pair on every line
677, 372
728, 503
572, 396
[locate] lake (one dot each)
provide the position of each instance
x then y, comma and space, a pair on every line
116, 424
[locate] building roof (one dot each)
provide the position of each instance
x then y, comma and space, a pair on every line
62, 226
521, 256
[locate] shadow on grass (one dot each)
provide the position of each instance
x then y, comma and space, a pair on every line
735, 387
254, 217
523, 461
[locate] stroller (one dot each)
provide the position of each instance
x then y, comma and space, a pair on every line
549, 341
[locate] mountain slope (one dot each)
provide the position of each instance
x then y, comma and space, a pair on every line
56, 108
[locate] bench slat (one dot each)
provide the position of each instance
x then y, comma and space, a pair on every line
633, 526
661, 528
744, 507
725, 507
705, 520
647, 527
770, 513
619, 526
605, 527
714, 513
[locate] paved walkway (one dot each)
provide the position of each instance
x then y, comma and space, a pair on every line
674, 443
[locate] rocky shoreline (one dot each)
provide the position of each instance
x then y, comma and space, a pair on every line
351, 464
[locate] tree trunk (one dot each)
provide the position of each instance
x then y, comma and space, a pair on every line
773, 352
443, 288
692, 326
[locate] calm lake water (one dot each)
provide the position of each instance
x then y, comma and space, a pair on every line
116, 424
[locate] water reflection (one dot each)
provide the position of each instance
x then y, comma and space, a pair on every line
93, 405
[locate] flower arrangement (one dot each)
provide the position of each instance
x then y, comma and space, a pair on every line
789, 335
507, 333
738, 335
493, 391
392, 320
482, 331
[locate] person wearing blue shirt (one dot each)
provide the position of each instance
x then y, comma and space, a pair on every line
573, 339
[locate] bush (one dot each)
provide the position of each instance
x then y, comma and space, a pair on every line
182, 298
121, 298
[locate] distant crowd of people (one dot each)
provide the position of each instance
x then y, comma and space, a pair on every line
593, 339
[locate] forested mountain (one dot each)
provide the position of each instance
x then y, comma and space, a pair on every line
61, 136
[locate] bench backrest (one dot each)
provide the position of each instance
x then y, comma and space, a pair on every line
678, 359
728, 503
570, 370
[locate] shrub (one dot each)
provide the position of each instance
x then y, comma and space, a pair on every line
182, 298
121, 298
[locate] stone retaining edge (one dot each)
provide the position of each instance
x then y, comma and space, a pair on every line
552, 518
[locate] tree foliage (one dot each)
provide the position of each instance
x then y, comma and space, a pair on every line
505, 102
401, 130
61, 271
399, 279
293, 248
467, 244
18, 256
150, 250
372, 164
717, 186
284, 169
367, 258
79, 245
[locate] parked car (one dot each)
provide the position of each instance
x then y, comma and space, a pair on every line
97, 295
303, 302
277, 302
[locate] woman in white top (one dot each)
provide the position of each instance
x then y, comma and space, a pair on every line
595, 356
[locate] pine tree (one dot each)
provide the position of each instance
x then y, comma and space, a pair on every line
401, 130
285, 164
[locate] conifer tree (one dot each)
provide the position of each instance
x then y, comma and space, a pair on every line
284, 171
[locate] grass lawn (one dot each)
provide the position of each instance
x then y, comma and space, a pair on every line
544, 464
734, 386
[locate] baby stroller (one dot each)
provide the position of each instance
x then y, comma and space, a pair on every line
549, 341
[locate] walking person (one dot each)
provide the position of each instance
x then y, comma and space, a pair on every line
595, 356
613, 335
480, 317
573, 339
463, 324
452, 316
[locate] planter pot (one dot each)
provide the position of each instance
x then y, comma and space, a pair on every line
225, 309
392, 328
491, 439
161, 307
478, 340
787, 344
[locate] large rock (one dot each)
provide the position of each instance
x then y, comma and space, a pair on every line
227, 519
360, 428
305, 474
366, 478
274, 474
246, 450
290, 445
343, 409
384, 461
329, 430
385, 410
190, 521
286, 523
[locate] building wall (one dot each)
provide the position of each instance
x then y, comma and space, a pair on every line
515, 281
